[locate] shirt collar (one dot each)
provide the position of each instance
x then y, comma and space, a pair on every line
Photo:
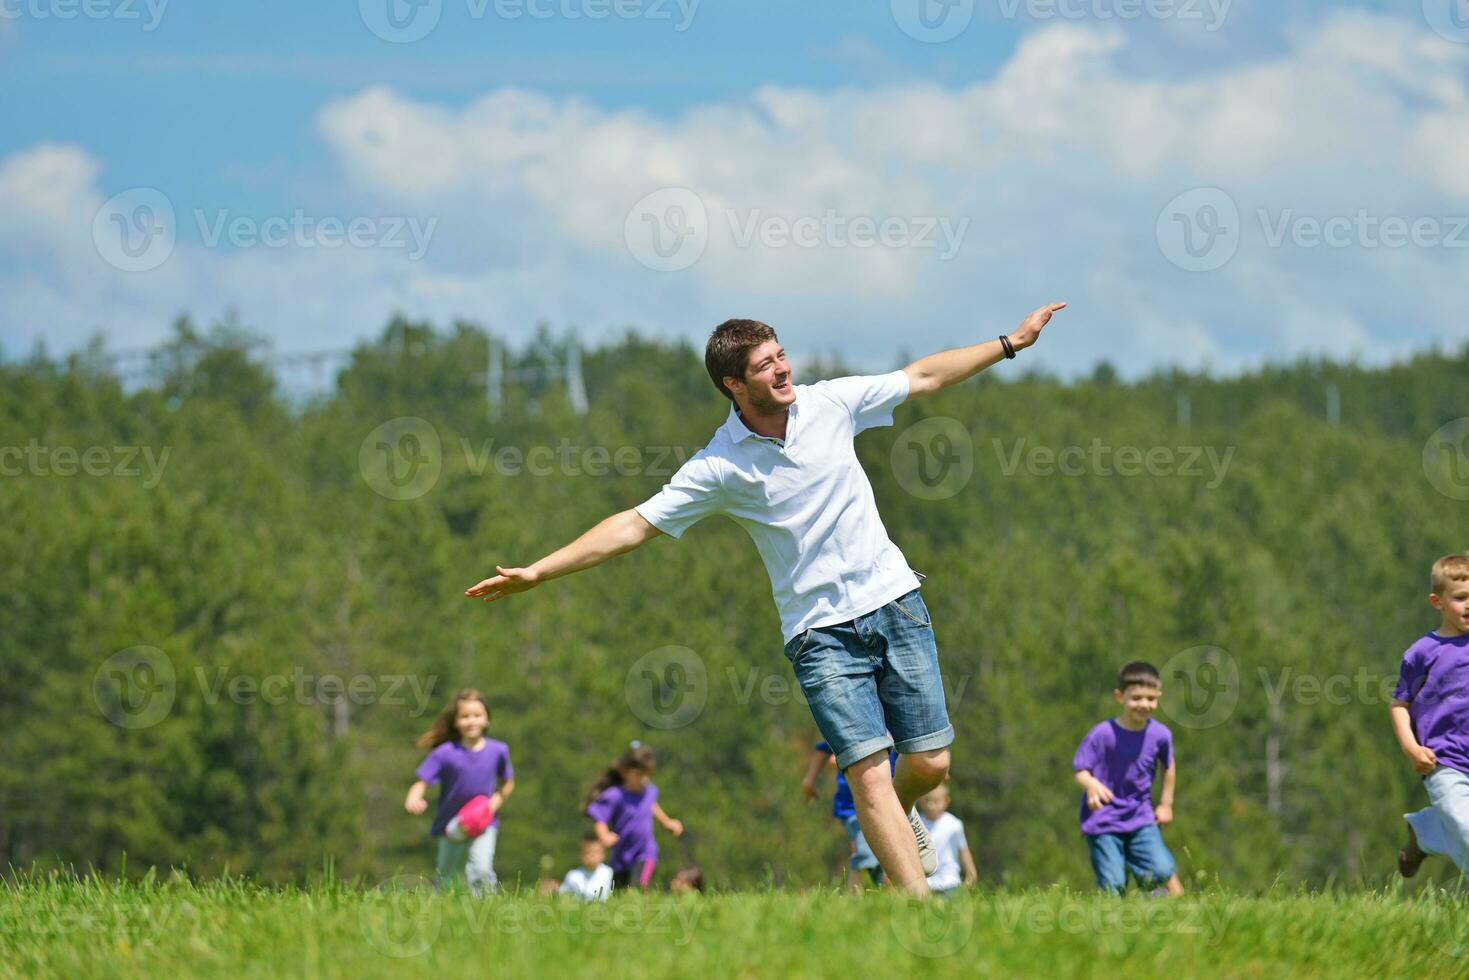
739, 431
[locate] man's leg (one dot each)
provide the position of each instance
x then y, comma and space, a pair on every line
917, 773
884, 822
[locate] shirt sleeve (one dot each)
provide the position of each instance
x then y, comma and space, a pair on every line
1088, 753
823, 746
503, 769
695, 492
601, 808
870, 399
1165, 749
428, 769
1411, 675
961, 843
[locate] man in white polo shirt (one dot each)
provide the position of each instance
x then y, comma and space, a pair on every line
857, 634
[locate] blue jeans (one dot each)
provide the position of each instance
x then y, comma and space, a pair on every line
1443, 827
1140, 851
873, 682
470, 861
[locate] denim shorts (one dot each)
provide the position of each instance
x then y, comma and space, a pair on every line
873, 682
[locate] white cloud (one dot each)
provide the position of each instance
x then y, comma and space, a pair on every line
1060, 164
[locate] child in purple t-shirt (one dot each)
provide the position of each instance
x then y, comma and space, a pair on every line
624, 804
1430, 716
465, 764
1114, 767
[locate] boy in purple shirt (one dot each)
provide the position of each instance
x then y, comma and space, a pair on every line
1430, 717
1114, 767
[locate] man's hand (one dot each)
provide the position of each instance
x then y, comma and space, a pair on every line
1163, 813
1423, 759
1030, 327
508, 582
1098, 796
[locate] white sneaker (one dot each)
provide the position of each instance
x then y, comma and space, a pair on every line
927, 856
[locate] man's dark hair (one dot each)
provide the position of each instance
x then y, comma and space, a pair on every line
728, 352
1139, 672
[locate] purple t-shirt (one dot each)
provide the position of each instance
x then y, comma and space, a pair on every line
463, 775
630, 817
1124, 762
1434, 680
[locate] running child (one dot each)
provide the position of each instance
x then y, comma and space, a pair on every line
1430, 717
591, 881
624, 804
472, 772
844, 810
956, 864
1114, 766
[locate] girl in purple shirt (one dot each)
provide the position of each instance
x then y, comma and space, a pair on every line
624, 804
465, 764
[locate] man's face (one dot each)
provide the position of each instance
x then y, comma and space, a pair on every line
1453, 603
766, 387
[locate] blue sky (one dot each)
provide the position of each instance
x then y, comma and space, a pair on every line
269, 108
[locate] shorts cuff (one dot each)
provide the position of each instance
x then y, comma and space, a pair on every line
926, 743
860, 751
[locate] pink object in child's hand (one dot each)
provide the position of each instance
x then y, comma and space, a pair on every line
472, 819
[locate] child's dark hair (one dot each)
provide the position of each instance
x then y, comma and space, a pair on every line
692, 877
1139, 672
443, 730
590, 837
637, 756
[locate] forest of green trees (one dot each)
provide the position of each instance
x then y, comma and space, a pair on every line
225, 613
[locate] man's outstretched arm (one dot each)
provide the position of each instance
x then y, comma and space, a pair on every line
615, 536
928, 374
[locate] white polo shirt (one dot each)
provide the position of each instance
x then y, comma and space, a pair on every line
805, 502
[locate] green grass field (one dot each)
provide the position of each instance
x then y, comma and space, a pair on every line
174, 928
